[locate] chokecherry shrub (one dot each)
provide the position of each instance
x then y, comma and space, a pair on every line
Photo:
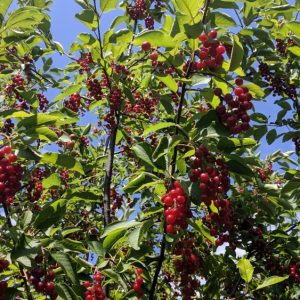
155, 158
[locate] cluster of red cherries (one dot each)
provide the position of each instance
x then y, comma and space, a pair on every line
85, 62
177, 209
295, 271
10, 175
143, 105
117, 200
42, 279
115, 102
94, 88
232, 110
187, 264
43, 102
94, 289
137, 286
211, 173
73, 103
221, 222
64, 176
211, 54
8, 126
35, 186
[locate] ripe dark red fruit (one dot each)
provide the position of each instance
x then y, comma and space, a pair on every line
239, 81
220, 49
146, 46
154, 55
97, 277
203, 37
213, 34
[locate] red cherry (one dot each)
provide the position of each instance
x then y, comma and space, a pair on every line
139, 280
218, 92
154, 55
170, 229
7, 149
171, 219
213, 34
203, 37
49, 287
220, 49
86, 284
239, 81
238, 91
204, 177
168, 201
146, 46
97, 277
203, 55
139, 271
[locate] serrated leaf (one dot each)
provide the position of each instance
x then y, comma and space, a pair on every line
168, 81
63, 160
156, 38
51, 181
156, 127
119, 226
237, 54
245, 269
107, 5
136, 184
221, 19
50, 214
271, 280
65, 263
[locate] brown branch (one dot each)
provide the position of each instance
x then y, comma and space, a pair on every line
177, 128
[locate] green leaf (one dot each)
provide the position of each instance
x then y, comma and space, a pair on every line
4, 6
63, 160
156, 127
42, 133
25, 18
107, 5
168, 81
221, 19
75, 88
64, 262
156, 38
144, 152
138, 182
119, 226
51, 181
236, 54
74, 245
295, 28
256, 91
113, 238
259, 118
65, 292
245, 269
86, 196
239, 168
295, 50
88, 18
134, 238
200, 79
199, 226
271, 280
50, 214
37, 120
271, 136
230, 144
